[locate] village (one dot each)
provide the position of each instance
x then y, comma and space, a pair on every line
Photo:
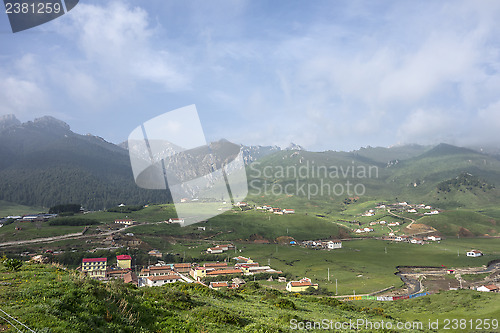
215, 275
235, 272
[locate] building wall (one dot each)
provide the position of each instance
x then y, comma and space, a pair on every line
124, 263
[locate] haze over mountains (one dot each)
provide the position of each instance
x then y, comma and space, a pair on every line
44, 163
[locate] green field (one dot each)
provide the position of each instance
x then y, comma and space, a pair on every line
9, 208
465, 305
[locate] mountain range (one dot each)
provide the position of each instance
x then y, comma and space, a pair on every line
43, 163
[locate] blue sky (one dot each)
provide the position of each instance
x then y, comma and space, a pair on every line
323, 74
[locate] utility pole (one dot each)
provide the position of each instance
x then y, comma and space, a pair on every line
336, 290
328, 274
386, 250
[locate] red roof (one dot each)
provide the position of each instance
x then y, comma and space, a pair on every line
225, 271
301, 284
124, 257
94, 259
215, 264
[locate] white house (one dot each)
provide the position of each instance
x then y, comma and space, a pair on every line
434, 238
335, 244
368, 229
215, 250
474, 253
176, 220
160, 280
241, 204
358, 231
416, 240
488, 288
288, 211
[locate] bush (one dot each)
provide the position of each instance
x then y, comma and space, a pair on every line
284, 303
219, 316
65, 208
329, 301
13, 264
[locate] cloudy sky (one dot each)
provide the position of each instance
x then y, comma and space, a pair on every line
323, 74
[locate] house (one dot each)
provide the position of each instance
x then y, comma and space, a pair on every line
182, 267
229, 271
241, 204
215, 265
383, 222
156, 271
214, 250
474, 253
243, 259
202, 228
124, 261
95, 267
155, 253
413, 210
130, 277
218, 285
358, 231
197, 273
289, 211
334, 244
302, 285
223, 247
434, 212
434, 238
393, 224
278, 212
176, 220
117, 273
489, 288
373, 223
417, 240
125, 222
368, 229
160, 280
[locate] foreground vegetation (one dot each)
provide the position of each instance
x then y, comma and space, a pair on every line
50, 298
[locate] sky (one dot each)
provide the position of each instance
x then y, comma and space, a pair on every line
327, 75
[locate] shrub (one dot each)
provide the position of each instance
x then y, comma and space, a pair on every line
219, 316
13, 264
284, 303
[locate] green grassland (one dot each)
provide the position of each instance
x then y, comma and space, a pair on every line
50, 299
242, 225
460, 304
462, 222
33, 230
9, 208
